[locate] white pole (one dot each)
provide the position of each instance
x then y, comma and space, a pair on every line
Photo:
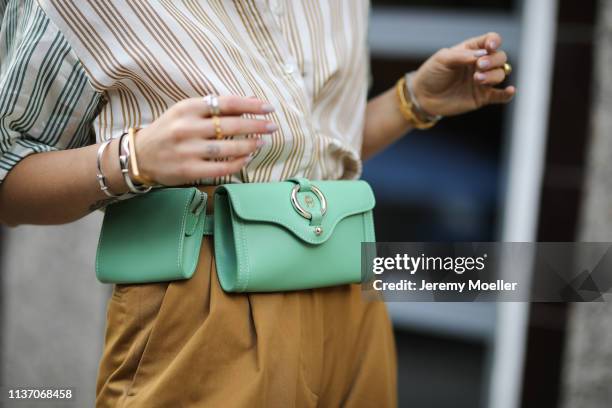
527, 151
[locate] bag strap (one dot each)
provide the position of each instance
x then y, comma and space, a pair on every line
209, 224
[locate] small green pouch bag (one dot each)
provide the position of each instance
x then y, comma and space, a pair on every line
291, 235
155, 237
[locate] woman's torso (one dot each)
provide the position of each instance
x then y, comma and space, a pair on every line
308, 58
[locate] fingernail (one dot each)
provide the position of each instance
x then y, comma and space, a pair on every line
260, 143
484, 63
271, 127
480, 53
266, 107
493, 45
480, 76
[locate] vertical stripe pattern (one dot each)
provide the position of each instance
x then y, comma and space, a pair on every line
46, 100
307, 57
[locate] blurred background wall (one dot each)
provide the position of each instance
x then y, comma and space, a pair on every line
53, 309
441, 185
448, 184
588, 377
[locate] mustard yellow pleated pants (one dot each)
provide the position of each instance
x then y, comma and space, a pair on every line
190, 344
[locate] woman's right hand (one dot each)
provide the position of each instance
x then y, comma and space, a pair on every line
180, 146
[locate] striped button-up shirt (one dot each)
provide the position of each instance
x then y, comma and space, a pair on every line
73, 72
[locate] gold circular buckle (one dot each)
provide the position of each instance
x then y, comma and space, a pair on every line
298, 207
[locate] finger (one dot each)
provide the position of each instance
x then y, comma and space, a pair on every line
500, 96
453, 57
206, 168
234, 126
237, 105
493, 77
213, 149
228, 105
495, 60
230, 126
490, 41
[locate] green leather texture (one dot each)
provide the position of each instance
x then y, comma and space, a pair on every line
263, 244
155, 237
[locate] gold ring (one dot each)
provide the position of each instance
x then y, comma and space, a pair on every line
507, 69
217, 123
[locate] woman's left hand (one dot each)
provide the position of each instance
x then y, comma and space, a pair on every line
463, 78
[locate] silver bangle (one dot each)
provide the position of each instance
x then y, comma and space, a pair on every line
124, 163
100, 174
415, 102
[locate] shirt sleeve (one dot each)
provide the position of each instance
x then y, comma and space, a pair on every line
46, 100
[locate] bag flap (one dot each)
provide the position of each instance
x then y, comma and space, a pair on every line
271, 202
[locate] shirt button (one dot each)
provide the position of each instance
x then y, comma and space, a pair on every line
289, 69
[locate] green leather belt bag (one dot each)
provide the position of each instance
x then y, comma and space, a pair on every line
268, 237
152, 238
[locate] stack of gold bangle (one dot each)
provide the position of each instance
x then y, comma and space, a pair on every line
409, 109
